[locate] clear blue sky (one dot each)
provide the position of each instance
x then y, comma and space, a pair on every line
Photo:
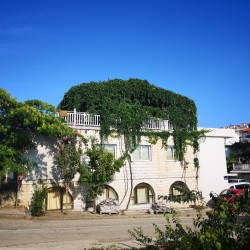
197, 48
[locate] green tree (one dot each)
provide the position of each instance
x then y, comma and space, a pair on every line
98, 170
20, 124
68, 159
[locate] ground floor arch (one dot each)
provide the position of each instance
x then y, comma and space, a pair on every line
174, 188
108, 192
143, 193
56, 199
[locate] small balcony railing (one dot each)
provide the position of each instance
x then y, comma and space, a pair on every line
82, 119
157, 124
242, 167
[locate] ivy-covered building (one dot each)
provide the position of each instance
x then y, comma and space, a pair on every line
157, 128
155, 170
157, 131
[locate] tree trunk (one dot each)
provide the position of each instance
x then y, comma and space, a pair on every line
131, 183
94, 205
66, 193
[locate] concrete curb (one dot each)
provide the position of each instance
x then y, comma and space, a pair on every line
21, 213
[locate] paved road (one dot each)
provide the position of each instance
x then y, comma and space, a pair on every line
76, 234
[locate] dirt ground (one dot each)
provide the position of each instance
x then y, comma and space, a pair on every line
79, 230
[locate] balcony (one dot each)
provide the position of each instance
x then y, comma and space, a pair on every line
157, 124
241, 167
82, 120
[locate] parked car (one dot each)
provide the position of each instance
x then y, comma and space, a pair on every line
231, 195
239, 185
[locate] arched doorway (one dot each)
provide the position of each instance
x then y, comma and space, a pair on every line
56, 199
173, 190
143, 193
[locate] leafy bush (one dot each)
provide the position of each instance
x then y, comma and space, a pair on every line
220, 228
38, 202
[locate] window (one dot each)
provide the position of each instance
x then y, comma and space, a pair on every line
143, 194
111, 148
142, 153
170, 153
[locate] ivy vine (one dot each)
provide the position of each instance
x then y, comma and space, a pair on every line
124, 105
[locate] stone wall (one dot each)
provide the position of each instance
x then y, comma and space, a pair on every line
158, 173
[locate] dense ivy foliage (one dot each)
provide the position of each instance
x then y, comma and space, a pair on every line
125, 104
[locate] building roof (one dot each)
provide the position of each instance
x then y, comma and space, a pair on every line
245, 130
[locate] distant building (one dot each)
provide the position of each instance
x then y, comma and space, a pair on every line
241, 169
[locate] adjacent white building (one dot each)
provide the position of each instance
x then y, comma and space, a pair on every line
213, 174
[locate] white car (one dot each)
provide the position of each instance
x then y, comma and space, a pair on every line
239, 185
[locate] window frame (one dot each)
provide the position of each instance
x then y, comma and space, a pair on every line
140, 154
107, 192
150, 195
105, 145
173, 155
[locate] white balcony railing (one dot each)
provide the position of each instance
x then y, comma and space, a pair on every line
73, 118
242, 167
82, 119
157, 124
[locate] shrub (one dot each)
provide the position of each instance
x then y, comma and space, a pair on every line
38, 202
219, 229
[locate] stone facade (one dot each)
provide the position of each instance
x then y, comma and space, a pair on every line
151, 177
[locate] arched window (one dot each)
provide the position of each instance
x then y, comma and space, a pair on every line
173, 190
56, 199
143, 194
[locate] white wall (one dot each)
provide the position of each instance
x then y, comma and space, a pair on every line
212, 160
